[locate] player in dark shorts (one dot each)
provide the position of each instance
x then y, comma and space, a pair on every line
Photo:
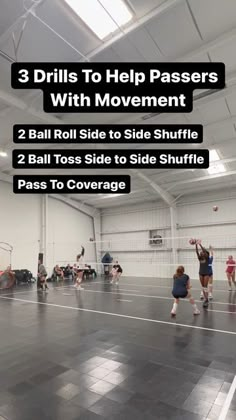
210, 273
42, 277
116, 273
80, 269
203, 258
181, 290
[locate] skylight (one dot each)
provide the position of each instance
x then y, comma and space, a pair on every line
3, 154
103, 17
216, 169
112, 195
214, 156
215, 166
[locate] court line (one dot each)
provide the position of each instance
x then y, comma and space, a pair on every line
228, 400
124, 300
128, 284
154, 297
57, 288
125, 294
154, 321
165, 287
223, 312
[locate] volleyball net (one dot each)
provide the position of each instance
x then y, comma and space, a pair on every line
154, 257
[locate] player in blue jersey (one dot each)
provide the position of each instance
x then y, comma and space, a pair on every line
181, 290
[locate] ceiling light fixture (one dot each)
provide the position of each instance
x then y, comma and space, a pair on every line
3, 154
214, 156
103, 17
215, 166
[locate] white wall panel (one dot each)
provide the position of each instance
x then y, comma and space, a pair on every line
68, 229
20, 219
203, 213
126, 237
20, 226
126, 231
139, 217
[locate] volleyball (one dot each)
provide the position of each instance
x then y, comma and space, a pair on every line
192, 241
215, 208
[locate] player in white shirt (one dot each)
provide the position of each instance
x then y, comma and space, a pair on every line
80, 269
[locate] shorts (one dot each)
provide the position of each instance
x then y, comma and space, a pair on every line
79, 270
180, 296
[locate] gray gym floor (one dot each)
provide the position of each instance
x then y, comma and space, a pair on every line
114, 352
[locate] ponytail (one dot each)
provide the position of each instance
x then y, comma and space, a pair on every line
179, 272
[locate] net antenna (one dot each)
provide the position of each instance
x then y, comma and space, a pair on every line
4, 246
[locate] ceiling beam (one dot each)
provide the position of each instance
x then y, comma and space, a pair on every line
158, 11
166, 197
24, 16
88, 210
197, 102
173, 172
6, 178
208, 46
203, 178
12, 100
221, 40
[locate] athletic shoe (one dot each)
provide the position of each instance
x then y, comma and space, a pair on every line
196, 312
201, 296
117, 283
205, 304
75, 285
80, 288
173, 312
210, 296
230, 289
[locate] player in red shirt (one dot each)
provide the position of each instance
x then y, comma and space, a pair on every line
230, 272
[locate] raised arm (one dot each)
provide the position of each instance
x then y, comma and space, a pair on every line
202, 247
80, 255
197, 251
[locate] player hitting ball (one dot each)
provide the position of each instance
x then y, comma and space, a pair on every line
80, 270
210, 273
203, 258
181, 290
116, 273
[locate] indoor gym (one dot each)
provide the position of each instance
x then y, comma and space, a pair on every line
114, 351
